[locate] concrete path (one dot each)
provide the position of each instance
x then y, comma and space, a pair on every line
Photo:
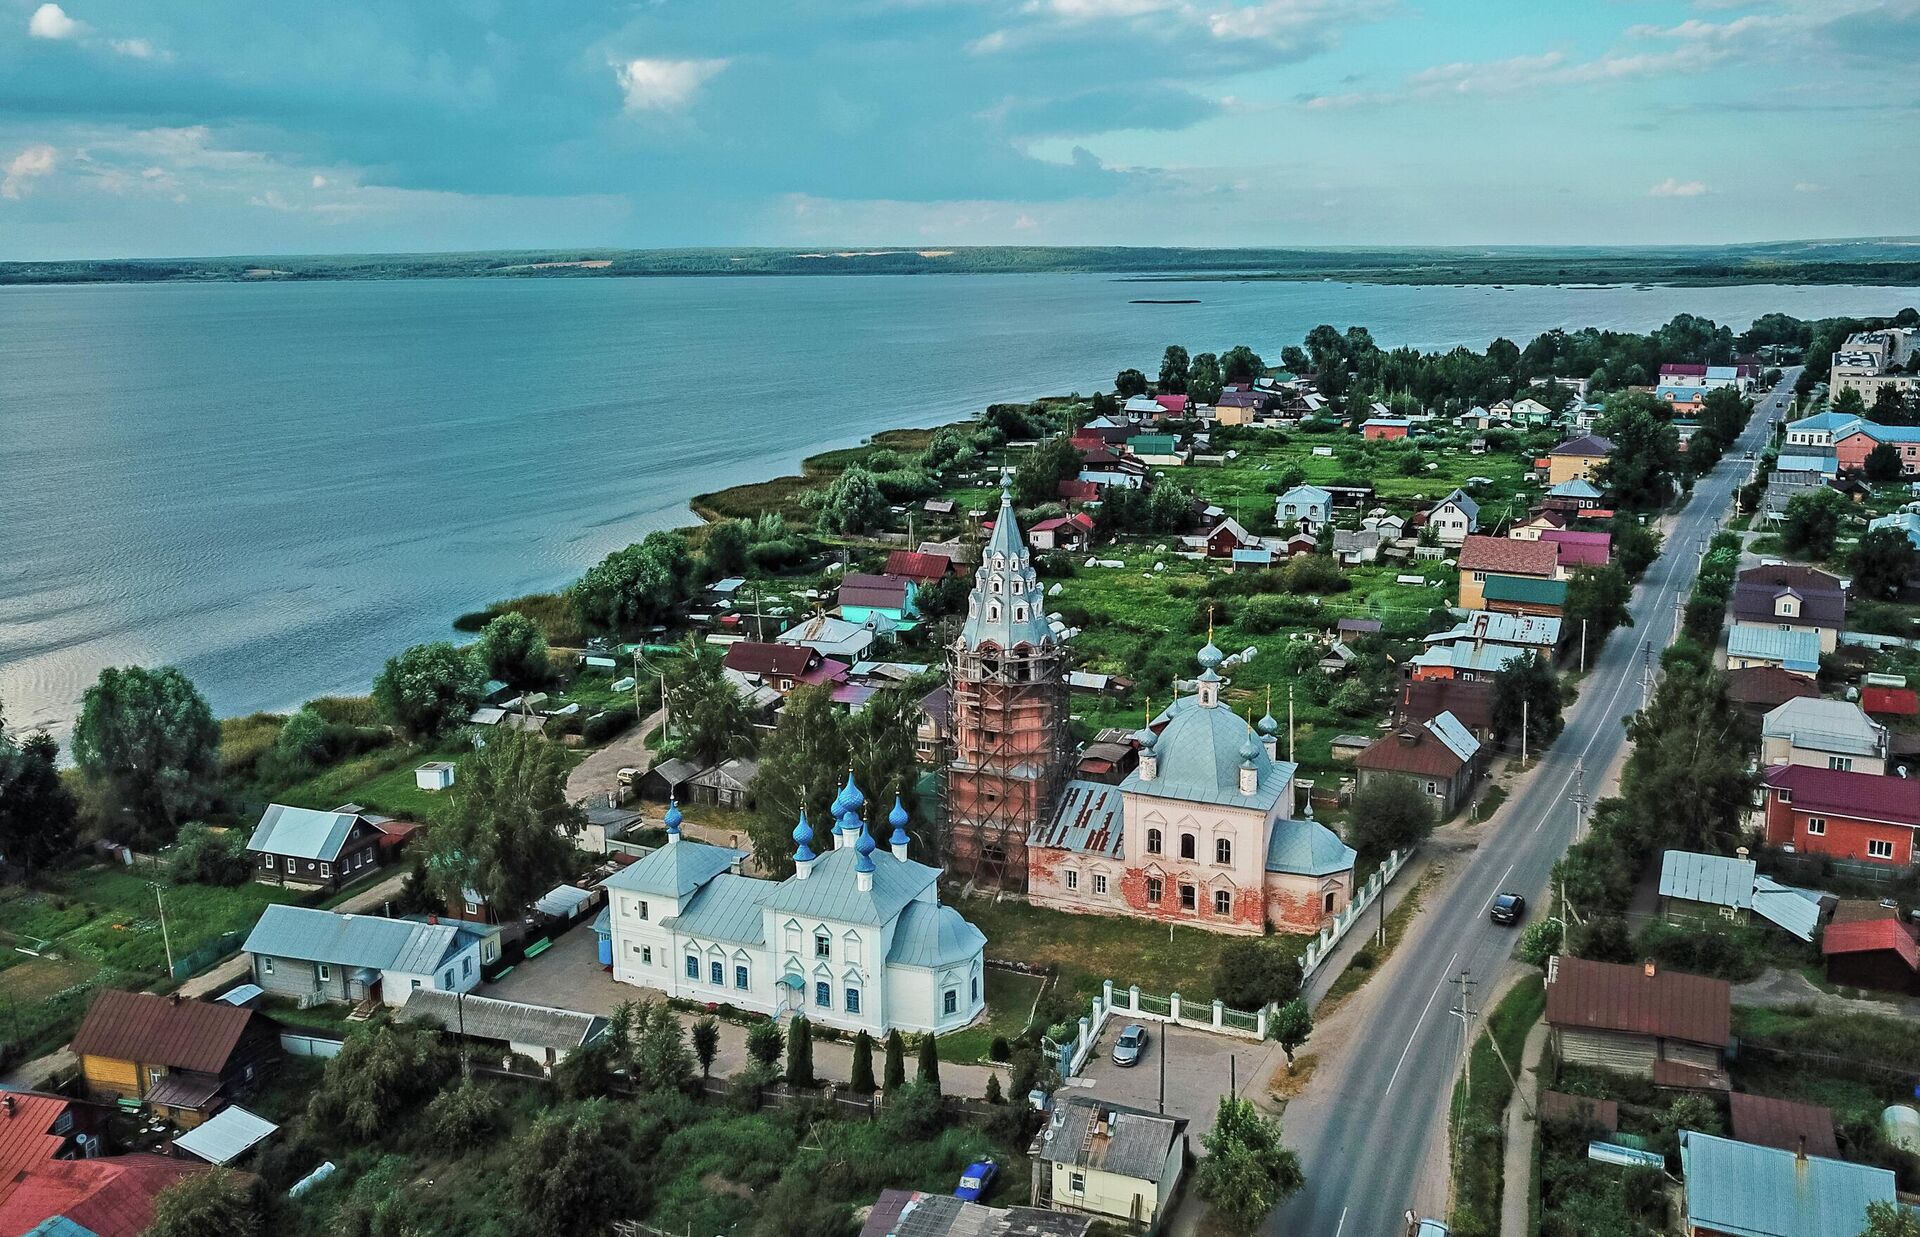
1523, 1128
599, 774
1778, 989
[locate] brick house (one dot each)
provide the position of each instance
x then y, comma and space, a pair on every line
1840, 815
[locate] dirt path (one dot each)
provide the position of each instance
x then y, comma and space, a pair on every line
599, 774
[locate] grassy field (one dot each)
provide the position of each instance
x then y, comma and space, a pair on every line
380, 781
1010, 998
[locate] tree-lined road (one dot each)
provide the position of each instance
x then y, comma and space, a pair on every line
1383, 1101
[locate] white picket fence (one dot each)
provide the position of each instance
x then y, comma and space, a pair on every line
1331, 935
1213, 1016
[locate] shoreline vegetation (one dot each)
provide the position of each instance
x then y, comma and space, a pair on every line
1887, 261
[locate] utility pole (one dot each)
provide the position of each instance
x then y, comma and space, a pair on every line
1579, 800
1583, 646
1290, 722
636, 685
1523, 729
1465, 1013
165, 939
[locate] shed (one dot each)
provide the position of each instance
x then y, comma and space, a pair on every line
226, 1136
434, 775
1879, 954
1695, 887
1632, 1018
1785, 1124
540, 1032
727, 784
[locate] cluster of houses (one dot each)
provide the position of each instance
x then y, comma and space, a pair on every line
1873, 361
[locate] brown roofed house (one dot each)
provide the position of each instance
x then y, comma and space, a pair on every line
185, 1058
921, 566
1760, 689
1438, 755
779, 666
1803, 1128
1469, 700
1637, 1019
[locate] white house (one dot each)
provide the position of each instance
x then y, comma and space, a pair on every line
1304, 508
1453, 518
850, 940
310, 954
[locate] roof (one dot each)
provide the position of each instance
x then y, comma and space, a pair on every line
825, 629
484, 1017
369, 941
1742, 1189
1470, 702
1589, 446
226, 1135
1089, 821
1683, 369
1890, 701
1767, 686
1437, 747
1857, 796
1531, 630
875, 592
1756, 600
1793, 910
918, 565
1575, 487
302, 832
1306, 496
1198, 750
1715, 879
1307, 848
831, 891
109, 1197
1796, 576
675, 870
726, 908
1579, 549
1357, 626
179, 1033
1460, 499
1606, 996
1838, 726
909, 1213
1508, 556
26, 1137
754, 657
1796, 650
1007, 607
1090, 1132
1559, 1106
1525, 590
1871, 936
1785, 1124
738, 771
931, 935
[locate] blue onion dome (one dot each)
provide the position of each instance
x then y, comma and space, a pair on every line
850, 796
1210, 657
1268, 726
1248, 748
898, 819
803, 838
863, 849
673, 818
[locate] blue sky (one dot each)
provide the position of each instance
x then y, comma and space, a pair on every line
194, 127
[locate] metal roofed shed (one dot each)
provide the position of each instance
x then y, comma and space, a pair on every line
226, 1136
1715, 879
563, 901
1745, 1190
511, 1022
910, 1213
1785, 1124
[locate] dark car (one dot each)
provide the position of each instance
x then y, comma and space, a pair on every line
1507, 908
1131, 1046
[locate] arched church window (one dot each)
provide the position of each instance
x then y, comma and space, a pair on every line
1153, 842
1186, 846
1223, 850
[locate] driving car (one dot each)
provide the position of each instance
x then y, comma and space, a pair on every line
1131, 1046
1507, 908
975, 1180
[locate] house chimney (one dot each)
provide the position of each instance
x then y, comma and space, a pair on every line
173, 998
6, 1106
1741, 851
1408, 738
1648, 968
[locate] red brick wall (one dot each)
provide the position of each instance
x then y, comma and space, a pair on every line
1844, 838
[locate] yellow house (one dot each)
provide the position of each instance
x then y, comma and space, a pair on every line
1481, 557
1099, 1158
1578, 457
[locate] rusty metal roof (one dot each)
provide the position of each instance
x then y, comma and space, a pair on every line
175, 1032
1636, 1000
1090, 821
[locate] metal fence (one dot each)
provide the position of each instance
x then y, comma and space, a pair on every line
296, 1045
217, 950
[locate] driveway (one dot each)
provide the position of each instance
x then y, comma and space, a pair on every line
1199, 1069
1778, 989
599, 774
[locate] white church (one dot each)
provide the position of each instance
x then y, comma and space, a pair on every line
853, 939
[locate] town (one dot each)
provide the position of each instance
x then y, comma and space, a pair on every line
1348, 790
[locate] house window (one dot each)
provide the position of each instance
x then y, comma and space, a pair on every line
1154, 889
416, 985
823, 994
643, 908
646, 955
1879, 848
973, 990
1843, 763
853, 1000
1187, 898
717, 973
1187, 846
822, 945
1816, 825
446, 981
1077, 1183
1223, 850
266, 966
740, 976
324, 971
1326, 902
1073, 879
473, 908
693, 967
1222, 902
1479, 577
1153, 841
1433, 788
466, 966
950, 1001
326, 869
1100, 882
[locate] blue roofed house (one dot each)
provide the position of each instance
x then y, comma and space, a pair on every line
1742, 1189
301, 846
317, 955
855, 939
1906, 523
1751, 645
1304, 508
1453, 517
863, 596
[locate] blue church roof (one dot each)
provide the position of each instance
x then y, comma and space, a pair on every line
930, 935
675, 870
1307, 848
1199, 755
831, 890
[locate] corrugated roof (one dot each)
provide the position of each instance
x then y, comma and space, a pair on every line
1591, 445
1093, 1133
482, 1017
226, 1135
726, 908
1525, 590
110, 1197
302, 832
1890, 701
1857, 796
1871, 936
1090, 821
1796, 650
754, 657
370, 941
1447, 728
1767, 685
1785, 1124
1529, 630
1306, 848
1829, 725
831, 891
1559, 1106
1716, 879
1743, 1189
177, 1032
1417, 750
1574, 487
1793, 910
1606, 996
26, 1137
875, 592
675, 870
930, 935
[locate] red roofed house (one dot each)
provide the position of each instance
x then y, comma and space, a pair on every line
1078, 491
1890, 701
1872, 953
1176, 405
1481, 557
1062, 532
920, 566
1842, 815
782, 667
1683, 369
1580, 549
36, 1128
1640, 1020
109, 1197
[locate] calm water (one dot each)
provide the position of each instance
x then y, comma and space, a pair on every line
276, 487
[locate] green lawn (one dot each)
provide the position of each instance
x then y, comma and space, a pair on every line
380, 780
1010, 998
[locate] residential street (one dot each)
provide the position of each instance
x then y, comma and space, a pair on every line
1371, 1131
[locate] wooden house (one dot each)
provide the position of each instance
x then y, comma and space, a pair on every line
185, 1058
297, 845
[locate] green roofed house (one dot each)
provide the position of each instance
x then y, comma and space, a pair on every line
1161, 449
1743, 1189
1524, 595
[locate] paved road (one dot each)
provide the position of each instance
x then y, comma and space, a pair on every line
1368, 1150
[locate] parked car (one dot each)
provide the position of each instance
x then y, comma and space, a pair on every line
1131, 1046
1507, 908
976, 1180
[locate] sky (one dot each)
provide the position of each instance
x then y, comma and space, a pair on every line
211, 127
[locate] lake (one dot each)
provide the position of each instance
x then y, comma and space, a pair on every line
278, 486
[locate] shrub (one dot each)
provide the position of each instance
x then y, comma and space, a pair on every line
1000, 1049
203, 857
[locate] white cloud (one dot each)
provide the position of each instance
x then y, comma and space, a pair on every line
139, 49
26, 167
319, 181
663, 85
1807, 186
1673, 187
1097, 10
50, 21
988, 43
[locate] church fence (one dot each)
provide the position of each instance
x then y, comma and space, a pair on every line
1200, 1015
1335, 932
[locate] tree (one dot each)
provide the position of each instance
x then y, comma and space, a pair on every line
513, 649
1526, 687
799, 1052
1540, 941
383, 1069
1881, 563
861, 1080
1850, 403
993, 1094
1173, 370
764, 1042
1252, 972
1598, 597
802, 765
216, 1203
203, 857
505, 827
1037, 479
711, 721
576, 1171
1129, 383
37, 812
1203, 379
1883, 463
1241, 364
853, 503
1646, 451
1813, 522
1389, 814
895, 1075
429, 689
463, 1115
929, 1074
634, 587
148, 747
1890, 1219
1636, 544
1292, 1023
725, 551
660, 1060
1686, 781
304, 738
706, 1044
1247, 1172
